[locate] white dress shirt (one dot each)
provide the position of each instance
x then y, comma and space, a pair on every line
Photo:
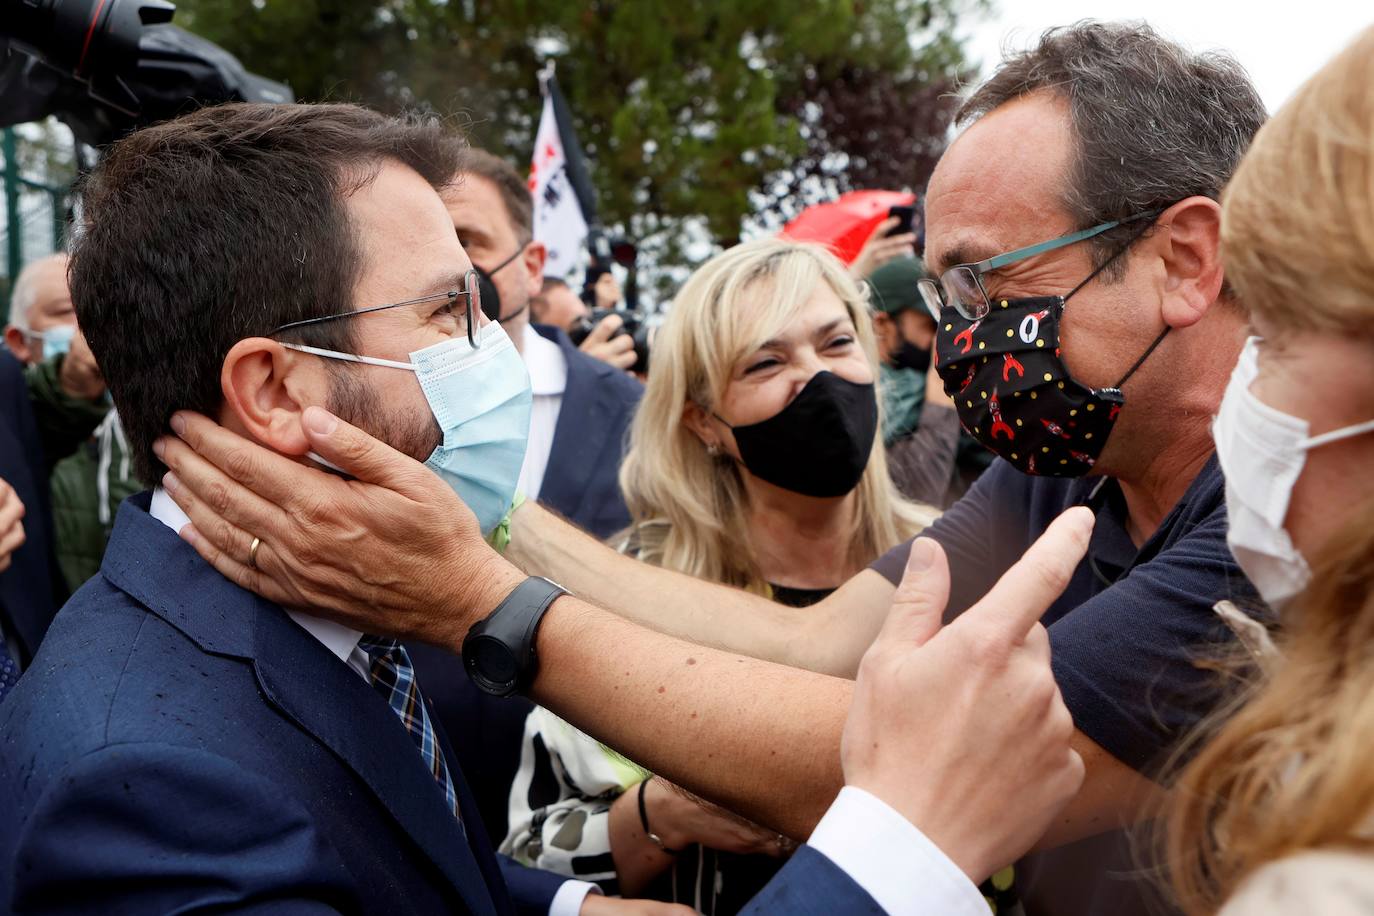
548, 370
343, 644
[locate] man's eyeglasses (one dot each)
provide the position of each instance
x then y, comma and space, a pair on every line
461, 306
961, 286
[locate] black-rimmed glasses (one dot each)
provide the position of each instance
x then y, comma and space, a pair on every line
465, 318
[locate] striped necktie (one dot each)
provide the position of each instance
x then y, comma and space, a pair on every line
394, 678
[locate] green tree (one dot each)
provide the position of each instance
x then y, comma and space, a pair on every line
695, 115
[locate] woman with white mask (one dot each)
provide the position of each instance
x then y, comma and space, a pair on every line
1275, 813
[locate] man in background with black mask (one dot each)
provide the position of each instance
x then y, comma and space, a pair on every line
582, 406
929, 457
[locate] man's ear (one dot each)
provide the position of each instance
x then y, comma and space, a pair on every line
1189, 243
18, 343
266, 389
535, 257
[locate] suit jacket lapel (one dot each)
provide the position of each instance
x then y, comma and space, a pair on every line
302, 679
331, 702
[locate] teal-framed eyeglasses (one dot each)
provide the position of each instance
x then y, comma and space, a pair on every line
461, 310
961, 286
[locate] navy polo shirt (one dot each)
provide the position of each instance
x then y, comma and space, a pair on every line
1126, 638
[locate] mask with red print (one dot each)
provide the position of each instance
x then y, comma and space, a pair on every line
1015, 395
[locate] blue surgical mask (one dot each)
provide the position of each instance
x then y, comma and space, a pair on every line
57, 340
481, 400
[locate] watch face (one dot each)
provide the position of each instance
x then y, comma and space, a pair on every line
491, 664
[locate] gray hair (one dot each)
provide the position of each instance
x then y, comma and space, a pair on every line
1154, 123
26, 290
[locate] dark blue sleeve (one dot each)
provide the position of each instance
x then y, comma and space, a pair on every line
811, 885
969, 531
1131, 661
531, 889
161, 829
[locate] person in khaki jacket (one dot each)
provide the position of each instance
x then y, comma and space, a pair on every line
1274, 813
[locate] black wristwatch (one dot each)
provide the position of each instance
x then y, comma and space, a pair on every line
498, 652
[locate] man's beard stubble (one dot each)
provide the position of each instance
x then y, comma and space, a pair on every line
353, 400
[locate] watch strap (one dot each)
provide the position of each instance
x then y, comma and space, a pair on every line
499, 652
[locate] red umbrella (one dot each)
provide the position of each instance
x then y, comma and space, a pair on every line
845, 224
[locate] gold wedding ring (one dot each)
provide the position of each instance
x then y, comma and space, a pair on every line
253, 552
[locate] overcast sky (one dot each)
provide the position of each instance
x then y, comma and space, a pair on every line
1281, 44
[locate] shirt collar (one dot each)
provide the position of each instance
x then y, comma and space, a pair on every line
337, 638
547, 365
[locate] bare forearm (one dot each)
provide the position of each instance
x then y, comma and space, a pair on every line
669, 602
755, 737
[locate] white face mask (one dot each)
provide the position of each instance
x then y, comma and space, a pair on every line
1262, 451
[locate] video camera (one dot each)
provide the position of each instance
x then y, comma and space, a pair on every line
108, 67
635, 326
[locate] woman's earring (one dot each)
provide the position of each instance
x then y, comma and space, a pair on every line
713, 450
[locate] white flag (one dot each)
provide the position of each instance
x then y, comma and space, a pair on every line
558, 220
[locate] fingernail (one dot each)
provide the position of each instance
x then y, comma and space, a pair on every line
922, 555
170, 483
178, 424
159, 446
189, 534
320, 421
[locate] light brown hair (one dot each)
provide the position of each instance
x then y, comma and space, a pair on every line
1287, 769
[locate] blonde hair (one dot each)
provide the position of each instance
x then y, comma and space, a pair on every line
1289, 770
690, 508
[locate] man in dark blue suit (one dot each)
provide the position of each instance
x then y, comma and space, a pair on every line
27, 586
179, 744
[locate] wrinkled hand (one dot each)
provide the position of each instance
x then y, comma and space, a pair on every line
79, 376
879, 249
11, 524
597, 905
963, 729
393, 552
681, 819
617, 351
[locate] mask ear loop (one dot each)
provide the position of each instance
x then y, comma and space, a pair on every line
1103, 266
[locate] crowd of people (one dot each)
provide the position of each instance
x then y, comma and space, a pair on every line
1028, 566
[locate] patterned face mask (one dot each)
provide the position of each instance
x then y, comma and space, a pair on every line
1015, 395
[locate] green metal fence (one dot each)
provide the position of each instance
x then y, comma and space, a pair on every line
35, 214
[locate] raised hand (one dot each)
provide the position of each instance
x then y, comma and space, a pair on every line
962, 729
618, 351
881, 248
379, 552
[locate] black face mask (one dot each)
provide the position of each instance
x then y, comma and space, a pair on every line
910, 356
491, 298
819, 444
1015, 395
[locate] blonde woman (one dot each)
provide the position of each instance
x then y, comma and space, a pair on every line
1276, 812
754, 461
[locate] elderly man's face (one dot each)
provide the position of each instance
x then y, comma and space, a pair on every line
51, 308
1000, 187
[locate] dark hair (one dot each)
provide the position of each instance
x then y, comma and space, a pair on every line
221, 225
1154, 122
514, 190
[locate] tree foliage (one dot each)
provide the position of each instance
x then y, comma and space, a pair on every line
698, 112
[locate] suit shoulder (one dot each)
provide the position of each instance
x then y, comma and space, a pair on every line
626, 387
110, 671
